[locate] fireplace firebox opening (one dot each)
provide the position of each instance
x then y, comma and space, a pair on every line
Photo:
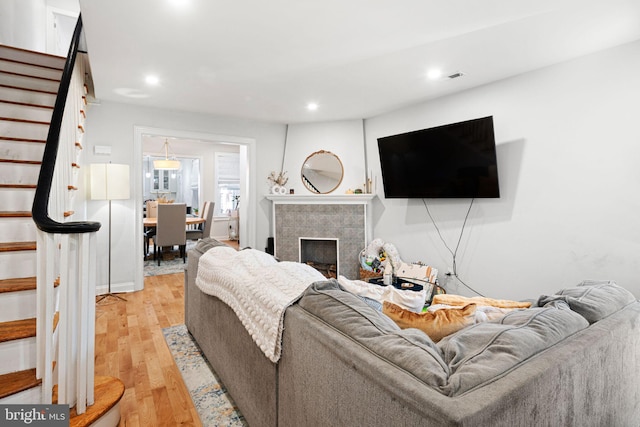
321, 254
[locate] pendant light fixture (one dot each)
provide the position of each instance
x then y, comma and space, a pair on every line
166, 164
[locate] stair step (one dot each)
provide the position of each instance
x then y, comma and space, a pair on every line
19, 173
21, 110
24, 56
17, 246
17, 329
16, 186
29, 97
29, 69
107, 390
21, 150
28, 82
18, 229
23, 129
18, 301
18, 264
16, 382
21, 162
18, 284
16, 214
16, 199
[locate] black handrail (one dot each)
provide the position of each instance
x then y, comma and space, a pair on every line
39, 210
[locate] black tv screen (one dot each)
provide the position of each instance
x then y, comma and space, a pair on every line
457, 160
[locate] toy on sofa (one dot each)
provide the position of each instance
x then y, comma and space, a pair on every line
375, 256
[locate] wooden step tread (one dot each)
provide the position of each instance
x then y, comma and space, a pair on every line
17, 285
17, 246
21, 162
17, 329
10, 138
31, 122
18, 186
13, 73
46, 92
25, 328
107, 390
15, 382
15, 214
26, 104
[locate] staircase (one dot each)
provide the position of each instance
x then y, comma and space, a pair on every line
28, 86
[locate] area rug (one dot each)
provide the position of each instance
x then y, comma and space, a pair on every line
172, 266
213, 403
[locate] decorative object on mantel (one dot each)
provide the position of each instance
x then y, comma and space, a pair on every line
278, 182
322, 172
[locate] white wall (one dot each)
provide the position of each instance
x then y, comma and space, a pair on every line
23, 24
114, 124
342, 138
568, 163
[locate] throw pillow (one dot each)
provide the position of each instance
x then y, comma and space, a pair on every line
451, 299
594, 300
437, 324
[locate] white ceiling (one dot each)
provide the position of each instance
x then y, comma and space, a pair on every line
266, 60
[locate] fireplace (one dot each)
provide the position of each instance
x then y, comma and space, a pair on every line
321, 254
344, 221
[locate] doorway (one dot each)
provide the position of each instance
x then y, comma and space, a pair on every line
246, 151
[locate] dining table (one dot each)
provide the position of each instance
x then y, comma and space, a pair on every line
189, 220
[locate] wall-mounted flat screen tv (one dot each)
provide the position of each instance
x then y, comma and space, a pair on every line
456, 160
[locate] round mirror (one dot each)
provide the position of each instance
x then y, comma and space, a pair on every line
322, 172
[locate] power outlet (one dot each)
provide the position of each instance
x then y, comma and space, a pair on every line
449, 271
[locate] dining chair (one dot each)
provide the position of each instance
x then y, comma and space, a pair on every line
203, 230
171, 229
151, 211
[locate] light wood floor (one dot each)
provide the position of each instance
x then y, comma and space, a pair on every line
130, 346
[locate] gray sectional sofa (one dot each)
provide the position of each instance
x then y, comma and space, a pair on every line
573, 360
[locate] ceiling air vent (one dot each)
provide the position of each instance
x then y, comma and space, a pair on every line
456, 75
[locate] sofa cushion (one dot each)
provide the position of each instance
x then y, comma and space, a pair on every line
594, 300
437, 324
410, 349
484, 352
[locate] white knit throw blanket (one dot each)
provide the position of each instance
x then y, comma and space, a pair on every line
258, 289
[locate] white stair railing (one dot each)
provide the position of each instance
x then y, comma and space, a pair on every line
65, 250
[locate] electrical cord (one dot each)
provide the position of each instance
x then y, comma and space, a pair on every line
453, 253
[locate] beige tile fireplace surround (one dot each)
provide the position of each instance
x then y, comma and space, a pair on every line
345, 219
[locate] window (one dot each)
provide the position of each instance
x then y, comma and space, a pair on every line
227, 182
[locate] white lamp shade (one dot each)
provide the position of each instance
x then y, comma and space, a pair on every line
166, 164
109, 181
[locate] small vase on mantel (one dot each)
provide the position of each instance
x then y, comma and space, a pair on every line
278, 189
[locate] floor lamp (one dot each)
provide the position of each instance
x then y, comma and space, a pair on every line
109, 182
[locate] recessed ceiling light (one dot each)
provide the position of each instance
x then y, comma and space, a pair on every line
312, 106
434, 74
179, 3
152, 80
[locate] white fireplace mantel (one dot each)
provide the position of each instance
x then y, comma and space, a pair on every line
311, 199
